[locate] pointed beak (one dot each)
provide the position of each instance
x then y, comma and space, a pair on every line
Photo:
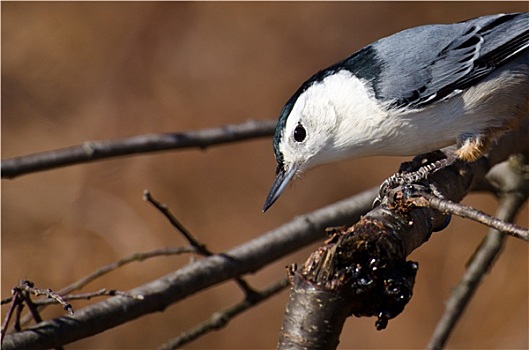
283, 177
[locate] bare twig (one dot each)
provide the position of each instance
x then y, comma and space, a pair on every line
14, 304
221, 318
22, 295
33, 309
449, 207
95, 150
28, 287
136, 257
162, 208
87, 296
20, 307
200, 247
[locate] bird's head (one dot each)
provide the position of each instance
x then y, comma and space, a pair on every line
332, 116
303, 137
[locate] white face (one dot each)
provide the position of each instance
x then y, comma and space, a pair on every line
335, 118
307, 135
339, 118
308, 131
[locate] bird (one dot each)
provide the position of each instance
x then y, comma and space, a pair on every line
413, 92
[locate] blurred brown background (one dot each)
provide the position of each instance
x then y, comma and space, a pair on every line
73, 72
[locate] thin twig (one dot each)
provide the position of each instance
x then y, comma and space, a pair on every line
136, 257
162, 208
88, 296
95, 150
199, 246
20, 307
464, 211
32, 308
14, 302
28, 287
221, 318
22, 294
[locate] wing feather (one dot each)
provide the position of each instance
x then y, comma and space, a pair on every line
479, 47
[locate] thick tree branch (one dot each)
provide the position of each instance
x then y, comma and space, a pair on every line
192, 278
96, 150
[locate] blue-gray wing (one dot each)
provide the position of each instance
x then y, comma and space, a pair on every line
446, 59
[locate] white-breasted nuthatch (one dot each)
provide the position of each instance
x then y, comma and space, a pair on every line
413, 92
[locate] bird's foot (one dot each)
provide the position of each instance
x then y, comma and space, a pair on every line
418, 170
415, 171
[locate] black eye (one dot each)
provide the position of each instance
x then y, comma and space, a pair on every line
300, 133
